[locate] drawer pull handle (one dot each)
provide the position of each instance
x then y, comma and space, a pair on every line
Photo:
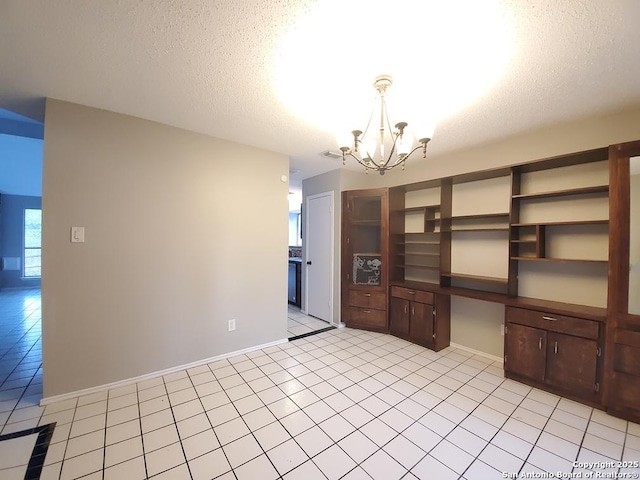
412, 292
540, 343
366, 294
367, 311
406, 309
413, 310
555, 347
551, 319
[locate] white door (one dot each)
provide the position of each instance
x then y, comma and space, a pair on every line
319, 256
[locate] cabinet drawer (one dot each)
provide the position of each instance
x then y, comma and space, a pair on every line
410, 294
552, 322
368, 318
364, 299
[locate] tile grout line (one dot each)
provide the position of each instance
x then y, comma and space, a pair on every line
393, 406
66, 446
338, 355
251, 432
164, 383
459, 424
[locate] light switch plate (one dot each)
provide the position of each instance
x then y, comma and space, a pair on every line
77, 234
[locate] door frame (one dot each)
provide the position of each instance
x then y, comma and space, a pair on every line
307, 222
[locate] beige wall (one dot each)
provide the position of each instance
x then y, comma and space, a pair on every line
481, 330
530, 146
183, 233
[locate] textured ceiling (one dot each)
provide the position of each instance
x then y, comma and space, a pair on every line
224, 67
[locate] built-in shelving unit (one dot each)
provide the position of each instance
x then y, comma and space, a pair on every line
482, 278
484, 222
559, 225
476, 232
365, 263
535, 238
415, 229
598, 189
533, 220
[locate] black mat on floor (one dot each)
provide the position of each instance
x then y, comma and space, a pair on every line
36, 462
308, 334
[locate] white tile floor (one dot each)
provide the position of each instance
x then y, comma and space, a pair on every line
340, 404
298, 323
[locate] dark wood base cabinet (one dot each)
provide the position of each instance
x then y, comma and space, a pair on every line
420, 317
624, 381
555, 352
367, 309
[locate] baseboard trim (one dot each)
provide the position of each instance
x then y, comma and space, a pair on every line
476, 352
159, 373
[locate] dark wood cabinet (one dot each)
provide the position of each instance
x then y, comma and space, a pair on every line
622, 349
624, 375
399, 317
365, 259
571, 363
415, 316
295, 279
559, 352
525, 351
421, 321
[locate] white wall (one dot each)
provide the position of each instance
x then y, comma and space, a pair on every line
183, 233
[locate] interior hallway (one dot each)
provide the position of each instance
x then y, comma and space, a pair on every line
300, 324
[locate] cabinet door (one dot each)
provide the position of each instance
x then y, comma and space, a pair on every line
571, 363
525, 351
421, 323
292, 283
399, 317
365, 239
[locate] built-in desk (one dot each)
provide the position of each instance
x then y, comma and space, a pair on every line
551, 345
591, 313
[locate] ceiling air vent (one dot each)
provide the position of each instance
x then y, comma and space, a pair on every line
330, 154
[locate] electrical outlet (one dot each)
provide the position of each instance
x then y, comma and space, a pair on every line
232, 325
502, 329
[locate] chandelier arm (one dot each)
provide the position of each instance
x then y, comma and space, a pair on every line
363, 163
386, 114
366, 129
422, 146
383, 167
372, 164
395, 137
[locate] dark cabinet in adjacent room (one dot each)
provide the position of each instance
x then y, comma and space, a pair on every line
295, 274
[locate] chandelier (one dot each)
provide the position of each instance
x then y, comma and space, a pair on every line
368, 148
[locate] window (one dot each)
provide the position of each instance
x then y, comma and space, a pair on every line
32, 242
